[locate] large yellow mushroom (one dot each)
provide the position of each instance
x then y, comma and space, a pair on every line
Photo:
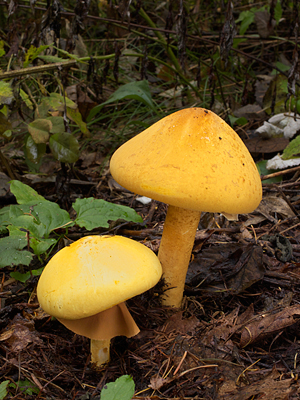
193, 161
85, 286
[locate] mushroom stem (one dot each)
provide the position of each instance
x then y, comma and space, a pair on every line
100, 351
175, 251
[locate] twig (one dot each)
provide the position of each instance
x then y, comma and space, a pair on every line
36, 70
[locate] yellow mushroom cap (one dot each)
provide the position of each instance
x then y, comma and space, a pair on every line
96, 273
190, 159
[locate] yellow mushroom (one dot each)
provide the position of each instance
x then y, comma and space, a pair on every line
193, 161
85, 286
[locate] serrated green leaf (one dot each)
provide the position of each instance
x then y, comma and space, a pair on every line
11, 249
3, 389
138, 90
6, 93
64, 147
122, 389
21, 216
24, 193
292, 150
39, 130
94, 213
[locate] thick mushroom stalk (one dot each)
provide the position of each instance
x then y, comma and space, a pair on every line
175, 251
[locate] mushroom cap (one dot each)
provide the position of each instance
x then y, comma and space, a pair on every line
190, 159
96, 273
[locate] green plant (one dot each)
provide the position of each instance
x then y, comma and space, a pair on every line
121, 389
26, 387
46, 129
37, 224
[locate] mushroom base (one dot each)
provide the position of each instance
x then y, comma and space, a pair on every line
175, 251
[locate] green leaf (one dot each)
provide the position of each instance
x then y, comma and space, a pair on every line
240, 121
58, 125
52, 59
292, 150
75, 116
64, 147
138, 90
39, 130
11, 249
261, 165
24, 193
24, 277
26, 99
121, 389
21, 216
32, 53
94, 213
246, 18
3, 391
58, 102
40, 246
26, 387
40, 217
6, 93
33, 151
278, 12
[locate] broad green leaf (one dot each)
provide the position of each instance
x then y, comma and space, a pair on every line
24, 277
40, 246
58, 102
6, 93
75, 116
39, 130
138, 90
11, 249
3, 389
45, 213
58, 125
94, 213
22, 216
121, 389
24, 193
4, 124
292, 150
4, 218
64, 147
33, 151
261, 165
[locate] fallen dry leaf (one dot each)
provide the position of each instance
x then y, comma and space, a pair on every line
271, 388
266, 324
19, 333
